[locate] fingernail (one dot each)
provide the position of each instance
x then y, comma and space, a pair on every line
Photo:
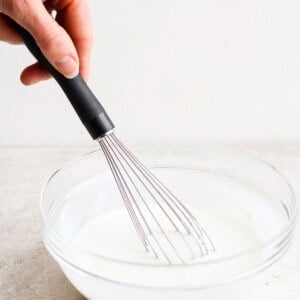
68, 67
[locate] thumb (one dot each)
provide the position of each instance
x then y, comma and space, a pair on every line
52, 39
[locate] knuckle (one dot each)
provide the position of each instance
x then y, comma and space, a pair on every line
53, 42
86, 42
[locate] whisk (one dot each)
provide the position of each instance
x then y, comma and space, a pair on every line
165, 226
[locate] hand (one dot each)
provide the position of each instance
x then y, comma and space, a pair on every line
66, 41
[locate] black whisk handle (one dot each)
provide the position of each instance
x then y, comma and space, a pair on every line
86, 105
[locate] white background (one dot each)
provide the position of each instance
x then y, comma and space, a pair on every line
224, 70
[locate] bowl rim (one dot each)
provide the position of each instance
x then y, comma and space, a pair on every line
285, 230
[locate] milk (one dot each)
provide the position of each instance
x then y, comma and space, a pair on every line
232, 213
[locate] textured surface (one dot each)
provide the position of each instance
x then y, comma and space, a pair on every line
27, 271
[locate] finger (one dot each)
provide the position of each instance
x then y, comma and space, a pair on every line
52, 39
74, 16
33, 74
8, 34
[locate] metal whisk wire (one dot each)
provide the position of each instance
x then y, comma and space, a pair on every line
145, 198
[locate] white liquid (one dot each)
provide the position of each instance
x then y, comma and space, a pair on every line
231, 213
113, 235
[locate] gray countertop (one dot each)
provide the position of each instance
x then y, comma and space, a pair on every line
26, 269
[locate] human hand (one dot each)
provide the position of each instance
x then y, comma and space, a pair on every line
66, 41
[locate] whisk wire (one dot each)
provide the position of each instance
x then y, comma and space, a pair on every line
132, 177
146, 173
154, 198
127, 203
139, 210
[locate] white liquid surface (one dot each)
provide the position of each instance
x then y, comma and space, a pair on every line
231, 213
113, 235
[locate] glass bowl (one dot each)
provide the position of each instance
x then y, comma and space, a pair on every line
241, 193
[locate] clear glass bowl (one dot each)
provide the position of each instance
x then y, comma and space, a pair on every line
219, 179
